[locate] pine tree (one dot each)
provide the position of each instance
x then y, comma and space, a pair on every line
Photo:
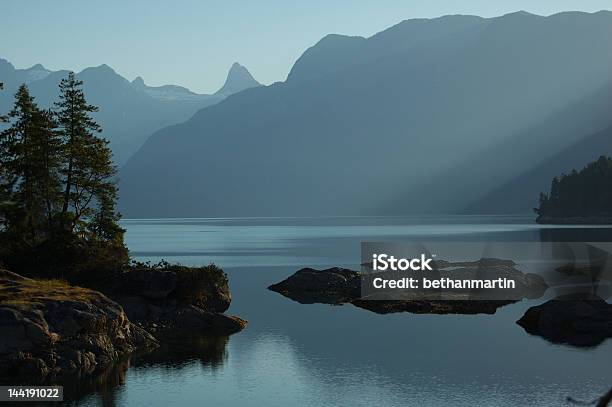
89, 189
29, 179
17, 179
582, 194
46, 164
4, 176
57, 189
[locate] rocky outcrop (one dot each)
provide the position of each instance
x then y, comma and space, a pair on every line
339, 286
49, 327
330, 286
581, 322
177, 298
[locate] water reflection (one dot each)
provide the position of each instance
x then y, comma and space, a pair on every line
177, 352
104, 383
342, 355
106, 387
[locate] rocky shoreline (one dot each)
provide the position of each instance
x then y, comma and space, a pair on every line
51, 328
176, 298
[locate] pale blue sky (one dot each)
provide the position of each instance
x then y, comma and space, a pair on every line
194, 42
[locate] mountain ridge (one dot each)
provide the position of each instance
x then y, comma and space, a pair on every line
449, 88
129, 112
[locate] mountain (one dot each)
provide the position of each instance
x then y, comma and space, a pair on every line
335, 52
171, 92
507, 177
9, 74
238, 79
129, 111
520, 195
34, 73
386, 124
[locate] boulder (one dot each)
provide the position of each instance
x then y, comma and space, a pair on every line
330, 286
581, 322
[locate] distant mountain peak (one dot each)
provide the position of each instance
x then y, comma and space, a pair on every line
101, 69
105, 68
238, 79
6, 63
139, 82
37, 67
34, 73
519, 14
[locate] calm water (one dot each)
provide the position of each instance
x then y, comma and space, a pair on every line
315, 355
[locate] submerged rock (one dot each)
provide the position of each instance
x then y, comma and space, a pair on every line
339, 286
581, 322
49, 328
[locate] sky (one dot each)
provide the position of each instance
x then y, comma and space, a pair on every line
193, 43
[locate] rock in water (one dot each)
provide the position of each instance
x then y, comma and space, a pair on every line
49, 327
331, 286
579, 322
339, 286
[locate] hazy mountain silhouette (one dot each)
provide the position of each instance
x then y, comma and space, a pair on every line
520, 195
9, 75
129, 111
508, 176
238, 79
171, 92
335, 52
366, 125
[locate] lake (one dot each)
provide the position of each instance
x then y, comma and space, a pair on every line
312, 355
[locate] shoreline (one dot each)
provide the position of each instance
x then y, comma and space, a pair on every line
53, 328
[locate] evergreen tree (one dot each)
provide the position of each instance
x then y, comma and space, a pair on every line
89, 191
57, 190
46, 163
580, 194
4, 196
29, 150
